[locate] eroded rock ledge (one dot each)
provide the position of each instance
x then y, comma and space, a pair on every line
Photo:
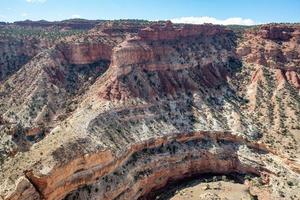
146, 166
169, 32
128, 105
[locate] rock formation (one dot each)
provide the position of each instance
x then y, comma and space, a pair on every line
126, 108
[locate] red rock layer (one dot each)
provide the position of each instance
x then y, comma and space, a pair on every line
87, 169
163, 55
169, 32
274, 46
85, 53
279, 32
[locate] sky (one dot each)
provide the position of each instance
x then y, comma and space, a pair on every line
245, 12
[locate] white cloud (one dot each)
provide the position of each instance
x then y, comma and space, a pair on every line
36, 1
75, 16
205, 19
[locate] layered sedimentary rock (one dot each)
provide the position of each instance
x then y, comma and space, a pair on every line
175, 101
280, 33
85, 53
153, 164
165, 58
169, 32
267, 51
272, 87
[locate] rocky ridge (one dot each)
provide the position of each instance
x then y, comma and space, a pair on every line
167, 102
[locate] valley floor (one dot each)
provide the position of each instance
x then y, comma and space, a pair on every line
206, 188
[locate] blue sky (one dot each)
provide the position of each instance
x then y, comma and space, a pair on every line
193, 11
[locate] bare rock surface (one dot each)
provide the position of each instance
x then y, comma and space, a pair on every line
123, 109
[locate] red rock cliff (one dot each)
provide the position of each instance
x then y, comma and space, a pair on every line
169, 32
85, 52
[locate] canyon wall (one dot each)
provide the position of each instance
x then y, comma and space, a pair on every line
169, 32
156, 105
145, 166
15, 53
85, 53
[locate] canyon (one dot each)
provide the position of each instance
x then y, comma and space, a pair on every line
121, 109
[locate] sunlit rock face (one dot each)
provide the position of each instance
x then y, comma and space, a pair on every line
85, 53
126, 108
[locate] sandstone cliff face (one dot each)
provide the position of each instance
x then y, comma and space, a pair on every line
85, 53
152, 164
47, 90
270, 46
280, 33
152, 63
169, 32
21, 41
155, 105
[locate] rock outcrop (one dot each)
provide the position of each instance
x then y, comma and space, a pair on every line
169, 32
145, 166
163, 55
152, 105
276, 32
15, 53
85, 53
